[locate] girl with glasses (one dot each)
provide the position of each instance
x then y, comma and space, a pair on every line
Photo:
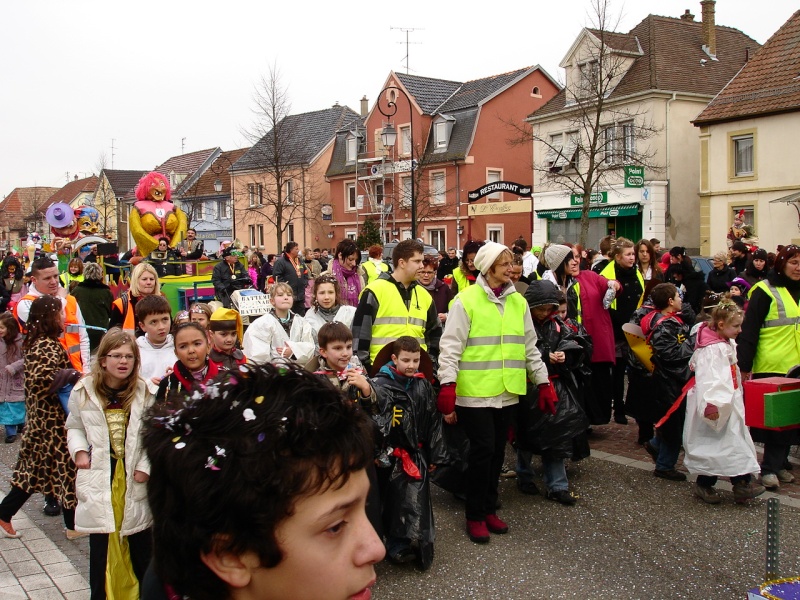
104, 436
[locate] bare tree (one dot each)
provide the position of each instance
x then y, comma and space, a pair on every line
603, 136
280, 191
104, 200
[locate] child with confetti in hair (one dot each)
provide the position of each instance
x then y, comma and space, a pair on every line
103, 434
193, 365
258, 489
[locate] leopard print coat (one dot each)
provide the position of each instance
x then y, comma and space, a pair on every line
44, 464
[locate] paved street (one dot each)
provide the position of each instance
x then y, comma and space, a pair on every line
630, 536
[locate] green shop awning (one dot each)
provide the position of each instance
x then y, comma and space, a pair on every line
613, 210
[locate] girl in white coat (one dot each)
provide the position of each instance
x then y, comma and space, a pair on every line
103, 434
281, 333
327, 305
715, 438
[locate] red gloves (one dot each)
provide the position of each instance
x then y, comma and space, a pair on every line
446, 402
547, 398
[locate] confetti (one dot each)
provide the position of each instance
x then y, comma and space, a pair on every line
180, 445
261, 436
211, 463
259, 399
175, 439
220, 451
248, 414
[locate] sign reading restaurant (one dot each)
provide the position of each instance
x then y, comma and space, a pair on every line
517, 189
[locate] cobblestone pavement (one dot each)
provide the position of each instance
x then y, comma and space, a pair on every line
629, 536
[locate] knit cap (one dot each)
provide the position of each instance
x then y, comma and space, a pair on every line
226, 319
486, 256
555, 254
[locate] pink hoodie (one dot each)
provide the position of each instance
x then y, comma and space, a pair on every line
706, 337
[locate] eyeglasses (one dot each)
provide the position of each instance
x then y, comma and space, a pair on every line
118, 357
427, 273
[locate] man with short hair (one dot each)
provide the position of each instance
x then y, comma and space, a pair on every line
447, 264
529, 261
395, 305
190, 249
75, 340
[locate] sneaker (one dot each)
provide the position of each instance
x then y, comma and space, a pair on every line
74, 535
527, 487
507, 473
51, 509
495, 524
670, 474
746, 491
651, 450
770, 481
709, 495
10, 439
564, 497
478, 532
7, 530
784, 476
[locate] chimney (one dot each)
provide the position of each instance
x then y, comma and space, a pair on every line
364, 106
687, 16
76, 178
709, 27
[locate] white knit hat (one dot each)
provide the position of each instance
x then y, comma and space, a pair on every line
486, 256
555, 255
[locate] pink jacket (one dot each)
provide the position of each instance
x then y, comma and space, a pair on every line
596, 319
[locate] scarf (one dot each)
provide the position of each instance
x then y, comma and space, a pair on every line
431, 287
328, 314
349, 282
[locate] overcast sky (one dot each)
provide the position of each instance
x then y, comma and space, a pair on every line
153, 75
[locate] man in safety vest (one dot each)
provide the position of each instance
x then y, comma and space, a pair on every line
44, 280
394, 305
373, 267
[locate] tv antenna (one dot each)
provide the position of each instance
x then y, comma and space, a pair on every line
183, 144
407, 31
112, 153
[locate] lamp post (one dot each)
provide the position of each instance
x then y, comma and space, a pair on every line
389, 138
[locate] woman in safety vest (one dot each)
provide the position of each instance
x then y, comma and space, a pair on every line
144, 282
487, 355
769, 345
467, 273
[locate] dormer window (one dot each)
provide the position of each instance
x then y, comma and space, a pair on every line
442, 128
352, 148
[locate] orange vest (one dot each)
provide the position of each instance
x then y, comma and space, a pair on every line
129, 319
71, 338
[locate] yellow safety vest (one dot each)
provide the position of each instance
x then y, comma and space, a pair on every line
460, 279
609, 273
493, 360
371, 270
778, 347
578, 316
393, 319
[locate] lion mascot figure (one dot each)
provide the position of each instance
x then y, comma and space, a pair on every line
153, 215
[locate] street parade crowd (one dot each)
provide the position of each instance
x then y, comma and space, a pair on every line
206, 455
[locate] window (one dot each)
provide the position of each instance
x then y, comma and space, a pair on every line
350, 235
590, 77
251, 229
743, 153
350, 196
377, 192
610, 144
572, 153
494, 233
749, 214
352, 148
440, 135
260, 236
256, 194
436, 237
405, 185
288, 192
289, 231
628, 141
223, 209
535, 92
493, 176
405, 140
437, 188
199, 211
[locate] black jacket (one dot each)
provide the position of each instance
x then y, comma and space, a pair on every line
718, 279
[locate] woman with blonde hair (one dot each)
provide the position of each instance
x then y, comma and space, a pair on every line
103, 433
144, 282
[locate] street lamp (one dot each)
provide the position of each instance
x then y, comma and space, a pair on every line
389, 138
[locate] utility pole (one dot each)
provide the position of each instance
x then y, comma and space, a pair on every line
407, 30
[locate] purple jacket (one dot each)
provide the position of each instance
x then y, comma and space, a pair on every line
442, 294
596, 319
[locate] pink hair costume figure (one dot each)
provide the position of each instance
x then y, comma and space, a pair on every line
154, 216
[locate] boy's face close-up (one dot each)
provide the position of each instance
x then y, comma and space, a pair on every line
540, 313
337, 353
406, 362
156, 327
224, 340
329, 548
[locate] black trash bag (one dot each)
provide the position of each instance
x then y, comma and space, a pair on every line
408, 512
451, 477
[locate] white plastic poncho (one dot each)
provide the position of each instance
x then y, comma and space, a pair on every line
265, 334
722, 447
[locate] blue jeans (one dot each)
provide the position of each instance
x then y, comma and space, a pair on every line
554, 471
667, 454
11, 429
